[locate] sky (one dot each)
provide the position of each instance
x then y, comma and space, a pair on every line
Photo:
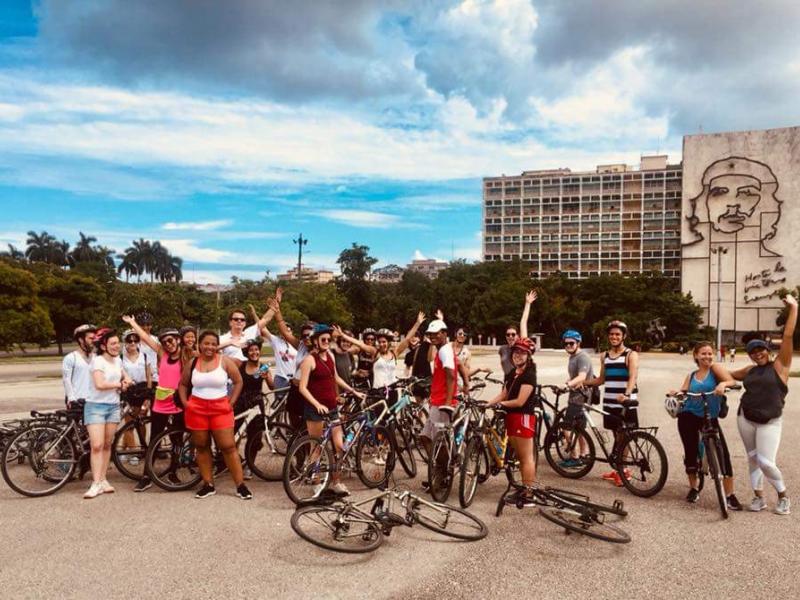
226, 129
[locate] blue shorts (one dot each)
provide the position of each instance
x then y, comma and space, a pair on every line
310, 413
100, 413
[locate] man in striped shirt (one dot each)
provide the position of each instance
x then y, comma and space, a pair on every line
619, 368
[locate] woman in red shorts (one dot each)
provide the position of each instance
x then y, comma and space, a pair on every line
516, 398
209, 411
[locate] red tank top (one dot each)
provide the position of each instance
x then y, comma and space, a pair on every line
322, 380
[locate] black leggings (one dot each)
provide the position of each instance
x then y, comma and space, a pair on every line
689, 426
159, 421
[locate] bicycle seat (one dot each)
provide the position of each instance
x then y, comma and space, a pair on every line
630, 403
448, 410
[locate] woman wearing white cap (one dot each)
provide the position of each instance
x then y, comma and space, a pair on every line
761, 409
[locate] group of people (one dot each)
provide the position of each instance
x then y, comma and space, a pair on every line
201, 381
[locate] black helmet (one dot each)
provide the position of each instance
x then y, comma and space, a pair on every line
144, 318
617, 325
168, 331
186, 329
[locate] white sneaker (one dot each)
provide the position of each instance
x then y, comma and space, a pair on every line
93, 492
340, 489
758, 504
247, 473
133, 461
783, 506
379, 460
319, 488
106, 487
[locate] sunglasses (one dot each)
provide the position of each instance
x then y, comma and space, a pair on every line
460, 333
511, 335
238, 319
369, 339
324, 340
568, 344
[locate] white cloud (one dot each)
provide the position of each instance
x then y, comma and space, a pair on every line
360, 218
189, 251
197, 226
418, 255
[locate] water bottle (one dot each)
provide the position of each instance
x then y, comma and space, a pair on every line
546, 416
458, 437
260, 371
349, 438
500, 448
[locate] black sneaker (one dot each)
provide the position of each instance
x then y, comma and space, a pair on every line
206, 491
244, 493
733, 503
426, 487
144, 484
173, 478
693, 495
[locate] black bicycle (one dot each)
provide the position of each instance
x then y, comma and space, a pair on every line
710, 454
634, 452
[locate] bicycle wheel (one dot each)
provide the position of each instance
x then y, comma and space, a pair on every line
643, 466
714, 454
405, 453
266, 453
334, 528
129, 455
448, 520
375, 456
416, 433
470, 471
170, 461
560, 446
308, 469
512, 470
618, 508
439, 473
584, 524
45, 460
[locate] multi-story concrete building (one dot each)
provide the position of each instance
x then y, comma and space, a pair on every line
308, 275
389, 274
429, 267
612, 220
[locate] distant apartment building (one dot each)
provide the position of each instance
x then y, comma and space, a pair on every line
615, 219
388, 274
308, 275
428, 267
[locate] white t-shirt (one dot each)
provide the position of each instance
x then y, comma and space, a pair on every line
234, 351
112, 373
152, 359
284, 356
464, 355
302, 352
136, 370
447, 357
384, 371
76, 376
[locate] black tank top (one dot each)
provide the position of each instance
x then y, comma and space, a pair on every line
764, 394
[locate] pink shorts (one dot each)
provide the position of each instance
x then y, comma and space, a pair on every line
520, 425
208, 415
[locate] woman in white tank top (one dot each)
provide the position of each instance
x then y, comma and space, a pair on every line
209, 411
384, 368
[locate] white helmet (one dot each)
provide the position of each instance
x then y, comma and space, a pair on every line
673, 406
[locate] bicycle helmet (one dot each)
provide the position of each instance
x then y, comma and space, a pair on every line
384, 333
319, 329
571, 334
673, 406
523, 345
80, 330
144, 318
187, 329
368, 331
103, 334
617, 325
167, 332
130, 333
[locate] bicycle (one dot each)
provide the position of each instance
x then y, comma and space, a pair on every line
347, 526
710, 454
309, 465
43, 456
574, 512
130, 440
635, 452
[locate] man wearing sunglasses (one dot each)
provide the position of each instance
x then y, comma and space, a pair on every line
579, 369
230, 344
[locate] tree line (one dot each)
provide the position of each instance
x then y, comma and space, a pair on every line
44, 296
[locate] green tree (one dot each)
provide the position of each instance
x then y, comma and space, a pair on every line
23, 317
43, 247
71, 299
355, 264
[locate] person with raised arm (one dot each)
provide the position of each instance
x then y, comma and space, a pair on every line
345, 348
760, 416
513, 333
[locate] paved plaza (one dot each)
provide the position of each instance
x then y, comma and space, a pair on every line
158, 544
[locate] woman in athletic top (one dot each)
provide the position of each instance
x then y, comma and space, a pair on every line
166, 406
384, 367
366, 357
319, 386
345, 349
516, 398
209, 411
101, 411
712, 379
761, 409
138, 368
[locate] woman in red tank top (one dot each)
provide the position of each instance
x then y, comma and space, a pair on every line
319, 386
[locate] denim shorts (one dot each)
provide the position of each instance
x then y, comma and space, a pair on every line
99, 413
310, 413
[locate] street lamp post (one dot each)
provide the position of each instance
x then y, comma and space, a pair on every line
300, 241
719, 251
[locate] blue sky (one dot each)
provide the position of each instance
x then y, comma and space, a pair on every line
225, 129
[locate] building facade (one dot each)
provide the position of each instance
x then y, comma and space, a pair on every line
428, 267
308, 275
741, 225
389, 274
612, 220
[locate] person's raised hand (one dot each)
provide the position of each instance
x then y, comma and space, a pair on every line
279, 295
420, 317
530, 297
789, 300
273, 304
439, 314
129, 319
337, 332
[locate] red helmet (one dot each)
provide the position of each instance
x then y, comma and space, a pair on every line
523, 345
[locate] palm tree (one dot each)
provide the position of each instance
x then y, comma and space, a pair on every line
84, 251
39, 246
105, 255
128, 265
14, 253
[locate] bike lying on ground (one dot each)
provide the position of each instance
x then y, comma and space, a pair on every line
634, 452
356, 527
710, 455
573, 512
